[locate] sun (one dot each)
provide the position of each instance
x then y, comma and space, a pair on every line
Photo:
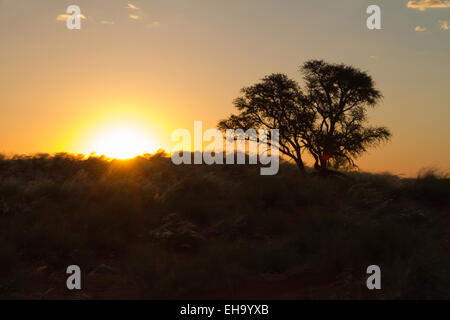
122, 143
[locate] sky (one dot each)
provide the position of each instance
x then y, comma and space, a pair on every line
159, 65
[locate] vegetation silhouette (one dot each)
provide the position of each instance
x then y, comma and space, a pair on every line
145, 228
328, 118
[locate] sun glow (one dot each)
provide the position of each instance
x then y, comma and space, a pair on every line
122, 143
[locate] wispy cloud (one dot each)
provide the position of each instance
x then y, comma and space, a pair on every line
64, 17
420, 29
107, 22
154, 25
133, 16
422, 5
132, 6
444, 24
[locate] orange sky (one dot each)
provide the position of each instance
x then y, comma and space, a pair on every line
181, 61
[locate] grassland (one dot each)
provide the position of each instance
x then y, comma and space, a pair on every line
147, 229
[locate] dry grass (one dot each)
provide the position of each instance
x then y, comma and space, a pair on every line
145, 228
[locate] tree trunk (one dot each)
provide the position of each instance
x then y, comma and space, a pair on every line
318, 162
299, 162
301, 166
323, 165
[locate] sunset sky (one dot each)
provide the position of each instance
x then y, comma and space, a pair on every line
155, 66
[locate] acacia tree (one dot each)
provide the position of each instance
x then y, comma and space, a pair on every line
328, 118
274, 103
339, 97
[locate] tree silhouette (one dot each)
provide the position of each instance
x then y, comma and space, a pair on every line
274, 103
328, 119
339, 96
